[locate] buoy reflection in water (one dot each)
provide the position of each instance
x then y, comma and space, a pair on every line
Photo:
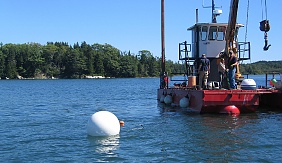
106, 145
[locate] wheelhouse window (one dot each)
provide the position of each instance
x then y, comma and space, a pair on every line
213, 33
221, 33
204, 33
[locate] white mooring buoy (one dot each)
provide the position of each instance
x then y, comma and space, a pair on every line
168, 99
184, 102
103, 123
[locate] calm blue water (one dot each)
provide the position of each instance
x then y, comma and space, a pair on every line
45, 121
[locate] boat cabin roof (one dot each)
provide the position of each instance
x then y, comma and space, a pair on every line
212, 24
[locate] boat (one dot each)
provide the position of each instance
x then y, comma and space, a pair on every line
215, 40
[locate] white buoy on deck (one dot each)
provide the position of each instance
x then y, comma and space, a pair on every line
248, 84
103, 123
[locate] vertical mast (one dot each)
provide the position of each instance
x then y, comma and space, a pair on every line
213, 14
163, 38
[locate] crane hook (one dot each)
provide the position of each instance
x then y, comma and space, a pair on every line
266, 46
265, 26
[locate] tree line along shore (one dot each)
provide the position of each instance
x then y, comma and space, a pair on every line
61, 60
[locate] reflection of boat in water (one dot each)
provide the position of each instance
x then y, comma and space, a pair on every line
215, 40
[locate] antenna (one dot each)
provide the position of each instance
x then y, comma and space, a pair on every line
215, 12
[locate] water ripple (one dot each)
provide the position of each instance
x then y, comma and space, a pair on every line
45, 121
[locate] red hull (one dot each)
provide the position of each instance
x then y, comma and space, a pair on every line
212, 101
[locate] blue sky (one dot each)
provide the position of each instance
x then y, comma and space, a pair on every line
131, 24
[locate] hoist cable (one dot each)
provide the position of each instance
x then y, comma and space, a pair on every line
246, 32
261, 9
265, 9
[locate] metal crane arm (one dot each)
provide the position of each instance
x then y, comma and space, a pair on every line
231, 28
